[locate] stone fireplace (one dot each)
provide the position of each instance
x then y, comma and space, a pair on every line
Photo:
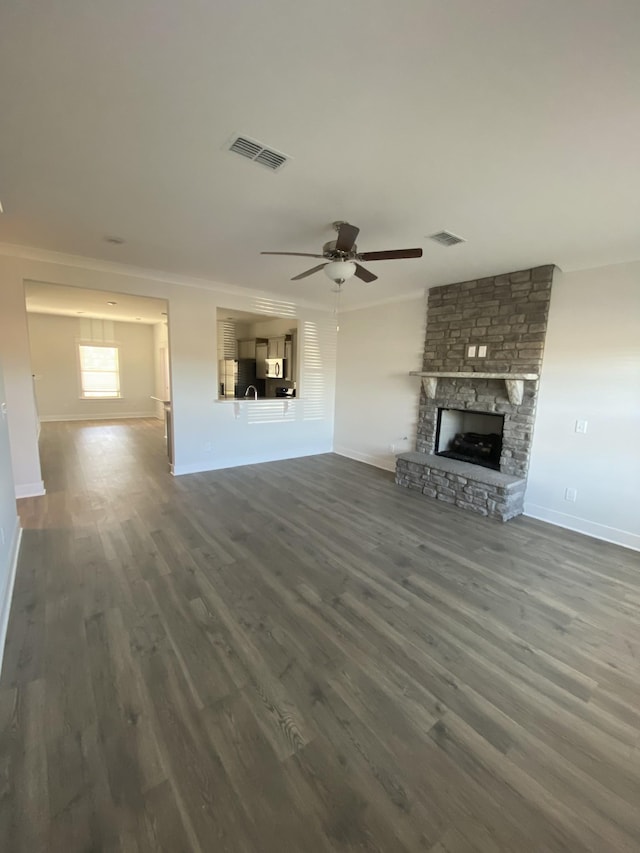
482, 357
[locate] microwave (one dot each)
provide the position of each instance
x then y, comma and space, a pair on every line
275, 368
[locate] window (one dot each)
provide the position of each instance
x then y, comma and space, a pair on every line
99, 371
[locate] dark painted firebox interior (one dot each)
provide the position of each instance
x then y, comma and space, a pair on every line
470, 436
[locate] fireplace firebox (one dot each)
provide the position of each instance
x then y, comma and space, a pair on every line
470, 436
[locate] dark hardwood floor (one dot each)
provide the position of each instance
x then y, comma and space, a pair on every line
299, 656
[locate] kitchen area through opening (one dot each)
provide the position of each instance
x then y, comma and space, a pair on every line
257, 356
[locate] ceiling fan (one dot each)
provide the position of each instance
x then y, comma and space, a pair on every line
341, 257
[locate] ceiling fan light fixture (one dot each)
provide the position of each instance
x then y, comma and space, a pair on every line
340, 271
339, 257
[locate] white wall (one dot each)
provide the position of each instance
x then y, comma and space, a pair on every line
9, 525
54, 362
208, 433
15, 356
376, 399
591, 371
212, 433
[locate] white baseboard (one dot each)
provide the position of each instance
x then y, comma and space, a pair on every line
30, 490
560, 519
7, 592
201, 467
115, 417
582, 525
377, 461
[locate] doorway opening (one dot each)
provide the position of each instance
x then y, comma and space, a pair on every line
98, 355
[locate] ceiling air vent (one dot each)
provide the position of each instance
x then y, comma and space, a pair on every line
446, 238
259, 153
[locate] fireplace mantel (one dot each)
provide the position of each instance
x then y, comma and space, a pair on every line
514, 381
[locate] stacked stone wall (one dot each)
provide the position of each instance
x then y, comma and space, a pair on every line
507, 314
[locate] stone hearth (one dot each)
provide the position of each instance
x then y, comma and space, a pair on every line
507, 314
468, 486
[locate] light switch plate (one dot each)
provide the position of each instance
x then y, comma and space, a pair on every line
581, 426
482, 352
471, 352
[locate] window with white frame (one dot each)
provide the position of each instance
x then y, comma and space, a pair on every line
99, 371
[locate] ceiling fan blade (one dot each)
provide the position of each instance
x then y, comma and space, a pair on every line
296, 254
364, 274
309, 272
346, 237
393, 254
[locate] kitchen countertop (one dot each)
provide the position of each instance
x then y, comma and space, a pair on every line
252, 400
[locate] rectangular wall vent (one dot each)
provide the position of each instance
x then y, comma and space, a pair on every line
446, 238
259, 153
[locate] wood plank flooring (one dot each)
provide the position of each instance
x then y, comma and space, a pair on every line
299, 656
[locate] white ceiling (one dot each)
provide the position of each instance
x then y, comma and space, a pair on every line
42, 298
515, 124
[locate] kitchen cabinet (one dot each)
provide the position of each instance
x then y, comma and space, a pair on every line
275, 347
247, 348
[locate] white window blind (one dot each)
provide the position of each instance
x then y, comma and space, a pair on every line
99, 371
227, 339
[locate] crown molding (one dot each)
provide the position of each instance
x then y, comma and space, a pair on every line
32, 253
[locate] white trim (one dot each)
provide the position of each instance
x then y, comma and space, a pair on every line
30, 490
7, 593
119, 416
31, 253
382, 462
559, 519
203, 467
583, 525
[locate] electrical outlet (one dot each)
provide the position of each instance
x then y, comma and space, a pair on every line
570, 494
581, 426
471, 352
482, 352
